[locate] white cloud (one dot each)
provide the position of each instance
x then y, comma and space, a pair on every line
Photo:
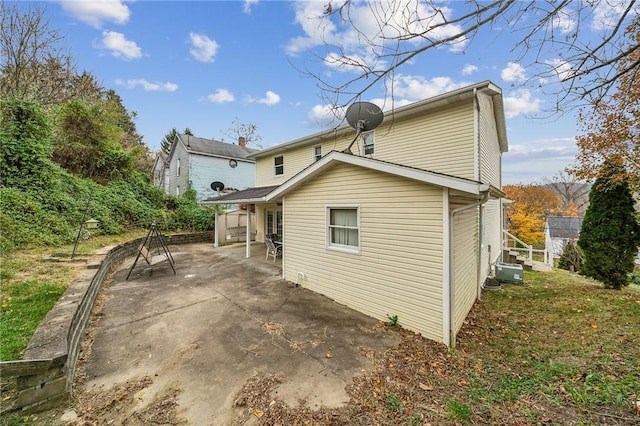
564, 21
535, 159
520, 102
370, 24
221, 96
119, 46
203, 48
417, 87
324, 116
248, 4
607, 14
95, 13
513, 72
148, 86
561, 69
469, 69
271, 98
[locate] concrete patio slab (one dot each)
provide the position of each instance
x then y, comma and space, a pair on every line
220, 321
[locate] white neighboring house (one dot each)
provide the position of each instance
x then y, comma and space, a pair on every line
160, 172
199, 162
558, 231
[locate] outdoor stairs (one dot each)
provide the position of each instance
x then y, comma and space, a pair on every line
513, 256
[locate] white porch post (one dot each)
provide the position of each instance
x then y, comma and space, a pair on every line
248, 246
215, 228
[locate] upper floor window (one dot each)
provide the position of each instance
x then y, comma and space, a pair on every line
278, 165
178, 168
368, 143
317, 152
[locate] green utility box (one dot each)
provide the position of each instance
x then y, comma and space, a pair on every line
509, 273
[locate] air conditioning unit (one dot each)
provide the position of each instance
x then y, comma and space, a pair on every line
509, 273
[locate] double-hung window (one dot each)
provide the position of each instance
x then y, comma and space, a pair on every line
278, 165
317, 152
343, 228
368, 143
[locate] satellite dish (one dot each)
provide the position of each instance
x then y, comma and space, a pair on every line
217, 186
364, 116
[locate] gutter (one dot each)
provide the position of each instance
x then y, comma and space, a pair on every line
485, 197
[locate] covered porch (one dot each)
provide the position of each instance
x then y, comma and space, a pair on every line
268, 218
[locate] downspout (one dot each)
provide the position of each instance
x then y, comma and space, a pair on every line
452, 276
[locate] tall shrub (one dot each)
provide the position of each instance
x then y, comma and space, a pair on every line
25, 144
610, 232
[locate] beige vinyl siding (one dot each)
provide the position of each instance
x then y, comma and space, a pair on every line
399, 268
465, 237
490, 155
441, 141
297, 159
491, 237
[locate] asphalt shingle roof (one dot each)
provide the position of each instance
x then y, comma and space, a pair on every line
196, 145
564, 227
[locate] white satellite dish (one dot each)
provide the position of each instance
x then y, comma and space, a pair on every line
363, 116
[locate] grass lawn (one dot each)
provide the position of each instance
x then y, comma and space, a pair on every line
30, 286
557, 350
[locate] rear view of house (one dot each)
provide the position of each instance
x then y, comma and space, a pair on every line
407, 224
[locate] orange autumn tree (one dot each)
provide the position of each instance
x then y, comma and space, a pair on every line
612, 128
527, 214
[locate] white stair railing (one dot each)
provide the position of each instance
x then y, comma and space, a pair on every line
508, 236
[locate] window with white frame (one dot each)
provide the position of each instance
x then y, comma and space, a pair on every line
278, 165
343, 228
368, 143
178, 168
317, 152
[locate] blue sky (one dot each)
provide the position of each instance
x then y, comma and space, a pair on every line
202, 64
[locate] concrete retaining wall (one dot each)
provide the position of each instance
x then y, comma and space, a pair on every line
46, 372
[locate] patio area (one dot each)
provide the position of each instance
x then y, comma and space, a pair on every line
194, 340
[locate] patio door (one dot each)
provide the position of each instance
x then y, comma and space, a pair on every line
273, 222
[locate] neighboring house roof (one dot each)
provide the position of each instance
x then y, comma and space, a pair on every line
271, 193
434, 103
564, 226
213, 148
161, 160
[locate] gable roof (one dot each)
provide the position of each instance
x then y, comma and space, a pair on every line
421, 107
564, 226
425, 176
213, 148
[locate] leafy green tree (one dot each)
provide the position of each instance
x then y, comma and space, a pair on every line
610, 232
88, 142
25, 144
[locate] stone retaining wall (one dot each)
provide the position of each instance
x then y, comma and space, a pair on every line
57, 340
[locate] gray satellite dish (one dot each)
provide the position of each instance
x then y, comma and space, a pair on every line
217, 186
363, 116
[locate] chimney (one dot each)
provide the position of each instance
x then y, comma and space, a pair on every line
242, 141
